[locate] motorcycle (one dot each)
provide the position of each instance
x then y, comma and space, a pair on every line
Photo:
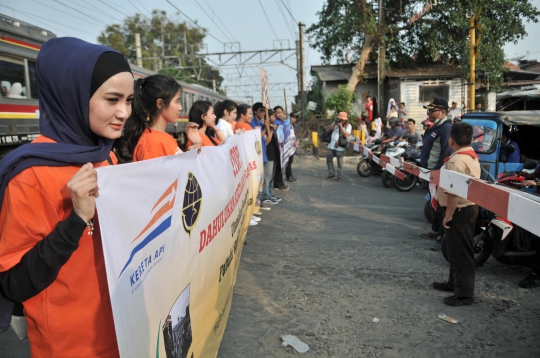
394, 150
496, 236
364, 167
411, 155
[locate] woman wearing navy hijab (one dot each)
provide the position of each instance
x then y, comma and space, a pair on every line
51, 257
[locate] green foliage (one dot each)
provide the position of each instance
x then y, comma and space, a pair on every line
315, 94
340, 99
441, 35
162, 36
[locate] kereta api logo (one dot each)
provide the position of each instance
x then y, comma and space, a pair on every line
192, 203
162, 215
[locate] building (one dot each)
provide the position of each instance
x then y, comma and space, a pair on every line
416, 87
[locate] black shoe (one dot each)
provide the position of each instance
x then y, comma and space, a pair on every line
458, 301
292, 180
531, 281
438, 244
442, 286
429, 235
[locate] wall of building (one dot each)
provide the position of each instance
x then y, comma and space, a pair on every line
410, 94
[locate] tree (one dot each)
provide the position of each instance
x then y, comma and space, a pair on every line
315, 93
162, 37
438, 36
340, 99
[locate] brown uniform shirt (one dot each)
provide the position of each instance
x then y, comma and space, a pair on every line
461, 163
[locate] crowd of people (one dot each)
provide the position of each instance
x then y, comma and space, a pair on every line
446, 143
51, 257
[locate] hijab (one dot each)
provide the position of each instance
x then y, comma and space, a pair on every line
390, 106
66, 77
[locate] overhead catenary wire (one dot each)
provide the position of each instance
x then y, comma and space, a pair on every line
267, 18
112, 7
144, 7
67, 13
211, 19
285, 18
80, 12
43, 18
195, 23
219, 19
95, 9
289, 11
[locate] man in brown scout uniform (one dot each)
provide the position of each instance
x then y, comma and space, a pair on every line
459, 220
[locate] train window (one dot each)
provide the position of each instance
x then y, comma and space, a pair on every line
33, 79
12, 77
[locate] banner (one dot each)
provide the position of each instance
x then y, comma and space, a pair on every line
173, 229
264, 88
287, 143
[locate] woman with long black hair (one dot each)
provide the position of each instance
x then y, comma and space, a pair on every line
157, 101
202, 114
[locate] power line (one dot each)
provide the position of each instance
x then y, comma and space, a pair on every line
54, 22
287, 24
144, 7
219, 19
211, 19
112, 7
97, 10
67, 13
135, 6
196, 24
80, 12
290, 13
265, 14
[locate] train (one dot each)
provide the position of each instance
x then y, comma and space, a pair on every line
20, 43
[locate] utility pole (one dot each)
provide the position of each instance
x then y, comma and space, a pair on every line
472, 79
301, 25
138, 49
474, 25
380, 62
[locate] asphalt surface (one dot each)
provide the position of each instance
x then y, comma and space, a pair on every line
332, 257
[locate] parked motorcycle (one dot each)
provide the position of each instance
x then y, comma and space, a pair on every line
364, 167
394, 150
412, 156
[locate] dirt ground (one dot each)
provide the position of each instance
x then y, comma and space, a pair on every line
332, 257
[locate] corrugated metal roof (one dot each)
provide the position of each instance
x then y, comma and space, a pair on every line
330, 73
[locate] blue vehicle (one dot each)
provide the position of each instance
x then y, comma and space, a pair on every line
523, 128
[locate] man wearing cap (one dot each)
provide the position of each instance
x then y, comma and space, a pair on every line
435, 150
340, 127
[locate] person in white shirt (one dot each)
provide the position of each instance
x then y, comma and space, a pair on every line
340, 128
454, 111
226, 114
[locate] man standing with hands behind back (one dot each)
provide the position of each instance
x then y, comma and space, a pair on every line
459, 219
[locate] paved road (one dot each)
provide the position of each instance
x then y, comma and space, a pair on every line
333, 256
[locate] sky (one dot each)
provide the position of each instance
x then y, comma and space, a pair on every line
256, 24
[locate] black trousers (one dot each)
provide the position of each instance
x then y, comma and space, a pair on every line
278, 173
459, 250
288, 169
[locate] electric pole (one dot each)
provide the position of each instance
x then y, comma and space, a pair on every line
301, 25
474, 25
